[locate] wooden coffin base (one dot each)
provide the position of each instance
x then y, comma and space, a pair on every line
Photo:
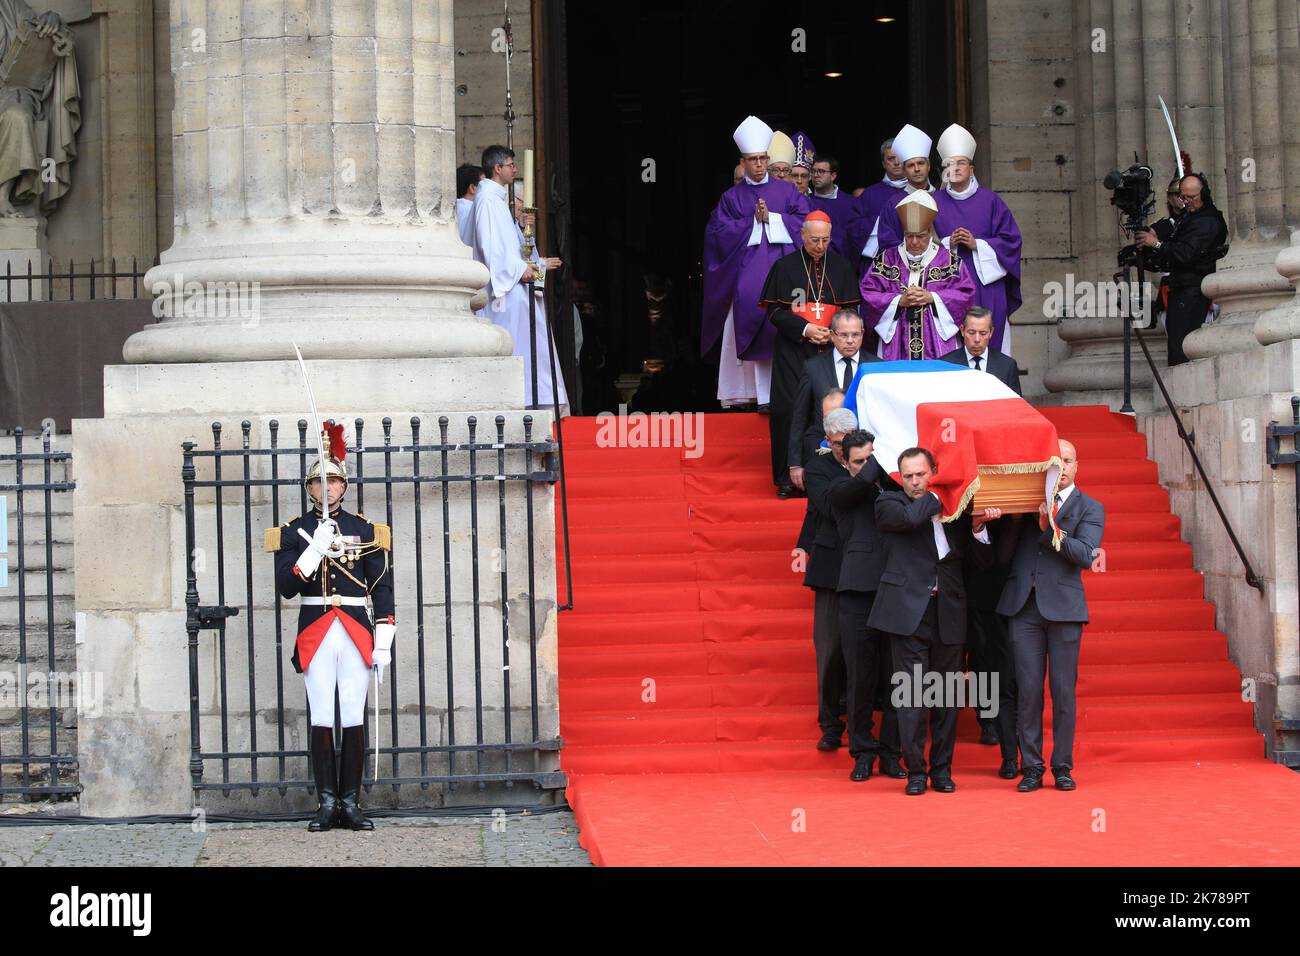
1013, 493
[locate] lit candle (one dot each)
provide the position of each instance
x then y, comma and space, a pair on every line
528, 179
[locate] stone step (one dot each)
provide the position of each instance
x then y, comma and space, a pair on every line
65, 612
37, 584
34, 556
65, 646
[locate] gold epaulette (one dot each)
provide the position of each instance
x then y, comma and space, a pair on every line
384, 537
271, 540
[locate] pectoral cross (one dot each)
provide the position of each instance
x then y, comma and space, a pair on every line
817, 308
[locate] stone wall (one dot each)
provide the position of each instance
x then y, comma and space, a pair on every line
1023, 109
1227, 403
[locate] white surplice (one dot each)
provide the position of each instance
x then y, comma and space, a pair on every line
496, 243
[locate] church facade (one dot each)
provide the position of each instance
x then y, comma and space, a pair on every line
1057, 94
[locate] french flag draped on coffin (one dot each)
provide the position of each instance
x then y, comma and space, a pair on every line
989, 443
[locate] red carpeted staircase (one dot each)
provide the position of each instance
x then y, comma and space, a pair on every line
689, 647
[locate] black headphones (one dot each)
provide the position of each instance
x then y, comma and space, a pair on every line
1207, 197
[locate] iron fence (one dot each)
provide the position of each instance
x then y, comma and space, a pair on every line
37, 637
463, 720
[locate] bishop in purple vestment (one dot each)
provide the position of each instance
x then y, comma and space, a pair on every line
877, 198
915, 295
756, 222
974, 221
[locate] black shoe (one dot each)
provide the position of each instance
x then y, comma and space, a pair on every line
890, 767
829, 741
915, 786
862, 767
354, 758
989, 735
785, 491
321, 745
1033, 780
1009, 769
943, 784
1063, 779
764, 409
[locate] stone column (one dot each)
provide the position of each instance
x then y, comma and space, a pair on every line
314, 152
313, 167
1248, 282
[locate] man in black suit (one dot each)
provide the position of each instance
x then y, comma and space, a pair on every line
921, 604
867, 661
1044, 599
833, 368
975, 351
823, 575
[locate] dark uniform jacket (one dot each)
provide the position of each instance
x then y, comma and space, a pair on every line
371, 573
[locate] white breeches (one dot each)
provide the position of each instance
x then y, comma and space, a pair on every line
337, 662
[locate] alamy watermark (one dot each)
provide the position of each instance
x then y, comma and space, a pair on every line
176, 298
919, 688
62, 690
1085, 299
654, 430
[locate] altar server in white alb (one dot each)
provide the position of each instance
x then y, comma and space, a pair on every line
496, 244
753, 226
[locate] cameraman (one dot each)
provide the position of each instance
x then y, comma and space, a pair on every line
1198, 240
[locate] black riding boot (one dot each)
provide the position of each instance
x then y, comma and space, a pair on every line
354, 758
322, 766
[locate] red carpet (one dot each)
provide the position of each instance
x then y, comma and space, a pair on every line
687, 686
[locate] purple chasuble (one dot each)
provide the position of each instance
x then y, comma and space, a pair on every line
875, 199
734, 271
843, 210
888, 276
988, 218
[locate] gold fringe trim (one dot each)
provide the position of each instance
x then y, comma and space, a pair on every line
965, 500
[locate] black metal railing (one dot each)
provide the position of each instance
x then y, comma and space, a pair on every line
1251, 577
57, 284
36, 758
412, 487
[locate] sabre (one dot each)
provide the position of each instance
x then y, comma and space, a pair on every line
320, 440
1178, 153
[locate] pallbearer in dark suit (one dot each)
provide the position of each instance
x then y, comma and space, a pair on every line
803, 292
921, 604
866, 651
823, 575
337, 565
1044, 599
833, 368
975, 351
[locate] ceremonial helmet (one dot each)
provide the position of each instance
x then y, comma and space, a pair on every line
336, 450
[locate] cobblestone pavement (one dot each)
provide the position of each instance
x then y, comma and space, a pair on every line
545, 839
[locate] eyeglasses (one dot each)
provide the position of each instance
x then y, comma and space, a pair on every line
848, 335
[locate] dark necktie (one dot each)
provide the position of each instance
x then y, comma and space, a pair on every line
977, 363
848, 374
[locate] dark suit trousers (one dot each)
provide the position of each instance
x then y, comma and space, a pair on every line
830, 660
1186, 313
1034, 642
989, 644
778, 423
866, 661
925, 648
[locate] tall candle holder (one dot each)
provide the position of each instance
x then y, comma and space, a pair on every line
526, 250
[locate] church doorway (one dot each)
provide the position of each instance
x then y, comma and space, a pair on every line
638, 101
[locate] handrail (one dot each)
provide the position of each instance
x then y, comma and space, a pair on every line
1251, 577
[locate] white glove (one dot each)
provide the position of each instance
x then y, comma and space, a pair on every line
383, 654
318, 545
